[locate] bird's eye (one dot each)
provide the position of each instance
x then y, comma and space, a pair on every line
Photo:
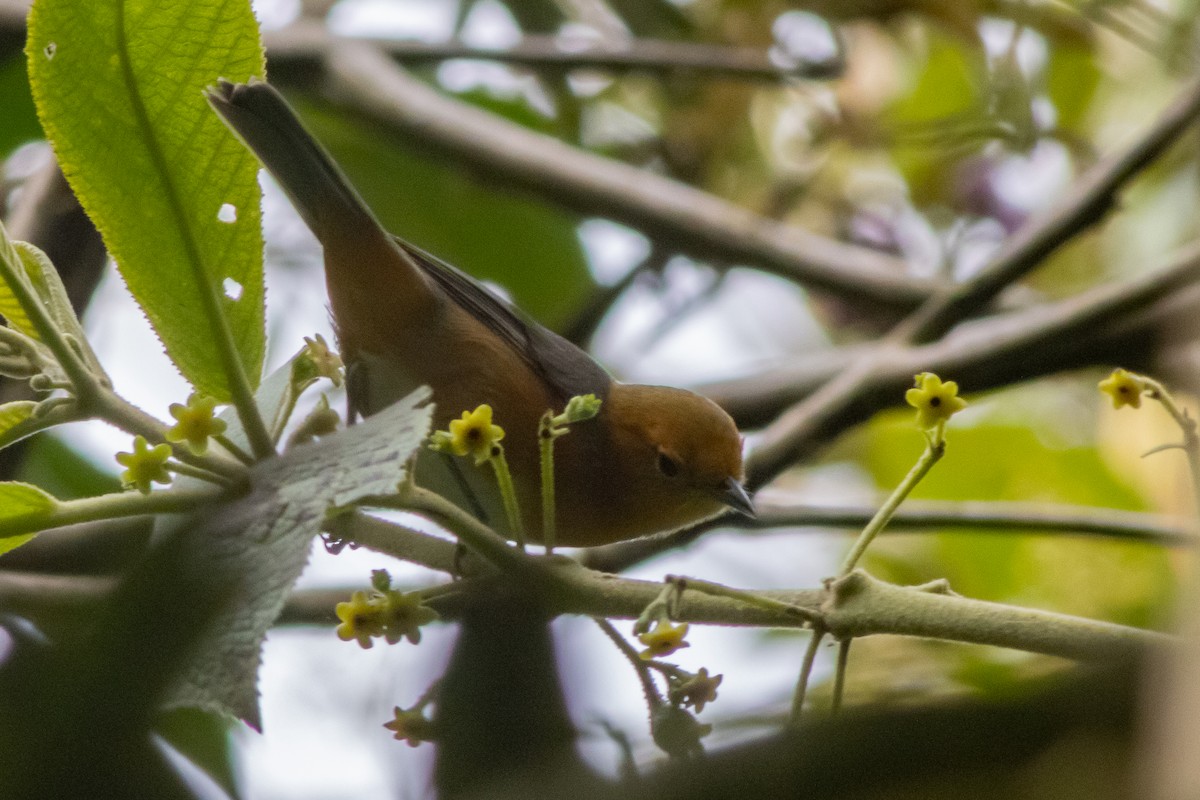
667, 465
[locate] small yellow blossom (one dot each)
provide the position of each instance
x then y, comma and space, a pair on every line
145, 465
1124, 388
474, 434
362, 619
328, 364
410, 726
663, 640
195, 423
405, 615
934, 401
697, 691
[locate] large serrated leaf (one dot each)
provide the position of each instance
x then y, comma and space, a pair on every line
21, 501
262, 542
118, 86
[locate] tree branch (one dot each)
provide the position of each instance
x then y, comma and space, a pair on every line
305, 43
916, 516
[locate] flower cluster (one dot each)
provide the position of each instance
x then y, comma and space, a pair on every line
384, 613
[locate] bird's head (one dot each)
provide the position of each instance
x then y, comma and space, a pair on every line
682, 450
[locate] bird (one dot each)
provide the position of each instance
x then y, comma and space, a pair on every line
654, 459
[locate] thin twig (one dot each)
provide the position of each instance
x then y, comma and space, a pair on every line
649, 689
806, 668
839, 675
916, 516
305, 44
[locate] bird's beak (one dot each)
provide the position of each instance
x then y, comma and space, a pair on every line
734, 495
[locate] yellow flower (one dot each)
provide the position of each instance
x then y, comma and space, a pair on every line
697, 691
145, 465
328, 364
474, 434
362, 618
934, 401
405, 614
663, 640
195, 423
410, 726
1124, 388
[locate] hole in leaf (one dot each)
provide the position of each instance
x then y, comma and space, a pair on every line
49, 50
233, 289
227, 213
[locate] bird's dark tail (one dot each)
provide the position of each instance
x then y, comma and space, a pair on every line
318, 188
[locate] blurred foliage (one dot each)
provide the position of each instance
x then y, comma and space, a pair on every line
18, 123
63, 472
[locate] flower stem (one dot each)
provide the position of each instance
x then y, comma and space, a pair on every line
934, 450
233, 449
1191, 440
111, 506
806, 668
839, 676
653, 698
199, 473
509, 494
750, 598
546, 439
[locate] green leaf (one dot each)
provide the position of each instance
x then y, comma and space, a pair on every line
1072, 77
17, 422
118, 87
261, 542
940, 120
21, 501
